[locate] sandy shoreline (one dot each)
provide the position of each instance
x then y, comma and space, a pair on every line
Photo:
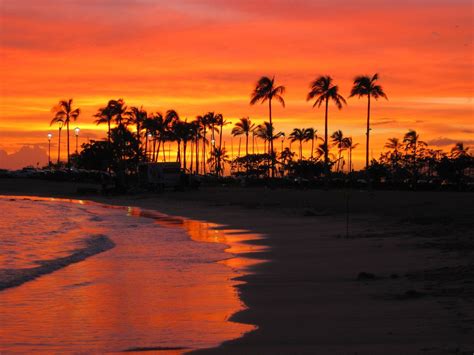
309, 298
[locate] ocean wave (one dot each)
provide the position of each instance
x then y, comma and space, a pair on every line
15, 277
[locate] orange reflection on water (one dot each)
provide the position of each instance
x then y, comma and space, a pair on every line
155, 289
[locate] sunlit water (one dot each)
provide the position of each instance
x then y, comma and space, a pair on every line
162, 285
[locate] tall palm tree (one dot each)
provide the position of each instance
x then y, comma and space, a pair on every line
323, 90
136, 116
105, 115
244, 126
65, 111
221, 122
350, 145
310, 135
267, 90
338, 140
203, 124
300, 136
60, 123
365, 85
119, 109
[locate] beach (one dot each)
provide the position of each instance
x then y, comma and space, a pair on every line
346, 272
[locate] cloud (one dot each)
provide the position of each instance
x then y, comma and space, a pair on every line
27, 155
444, 141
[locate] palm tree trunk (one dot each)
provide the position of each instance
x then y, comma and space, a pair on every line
220, 148
350, 160
178, 155
368, 133
67, 128
301, 150
312, 147
108, 132
326, 150
247, 143
197, 156
184, 155
271, 138
204, 152
146, 145
59, 145
191, 149
253, 142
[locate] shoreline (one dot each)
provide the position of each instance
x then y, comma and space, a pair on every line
312, 298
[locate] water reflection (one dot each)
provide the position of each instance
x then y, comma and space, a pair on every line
155, 289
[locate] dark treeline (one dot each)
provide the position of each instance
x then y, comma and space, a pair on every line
136, 136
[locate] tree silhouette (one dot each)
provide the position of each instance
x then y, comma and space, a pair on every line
64, 111
267, 90
365, 85
323, 90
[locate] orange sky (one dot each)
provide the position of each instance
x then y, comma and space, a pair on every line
196, 56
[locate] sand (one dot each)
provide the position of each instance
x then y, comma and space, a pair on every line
401, 281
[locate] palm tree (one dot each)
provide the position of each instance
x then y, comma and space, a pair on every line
412, 141
323, 90
395, 145
365, 85
310, 135
338, 140
244, 126
298, 135
106, 115
136, 116
349, 144
119, 110
266, 90
60, 123
204, 123
64, 111
221, 122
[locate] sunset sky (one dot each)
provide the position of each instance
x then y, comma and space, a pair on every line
196, 56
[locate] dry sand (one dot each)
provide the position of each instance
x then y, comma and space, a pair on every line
416, 249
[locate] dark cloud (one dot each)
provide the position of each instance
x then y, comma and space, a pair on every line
444, 141
27, 155
384, 122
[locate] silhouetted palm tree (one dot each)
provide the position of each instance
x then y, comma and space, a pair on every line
310, 135
323, 90
338, 140
60, 123
396, 146
221, 122
65, 111
244, 126
136, 116
349, 144
300, 136
413, 143
106, 115
266, 90
367, 86
204, 123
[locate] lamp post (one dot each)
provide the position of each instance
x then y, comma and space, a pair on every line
76, 132
50, 135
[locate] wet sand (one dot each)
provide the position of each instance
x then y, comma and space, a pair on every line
401, 281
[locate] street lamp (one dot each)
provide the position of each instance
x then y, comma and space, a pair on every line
50, 135
76, 132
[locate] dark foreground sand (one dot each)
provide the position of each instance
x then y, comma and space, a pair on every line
402, 283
